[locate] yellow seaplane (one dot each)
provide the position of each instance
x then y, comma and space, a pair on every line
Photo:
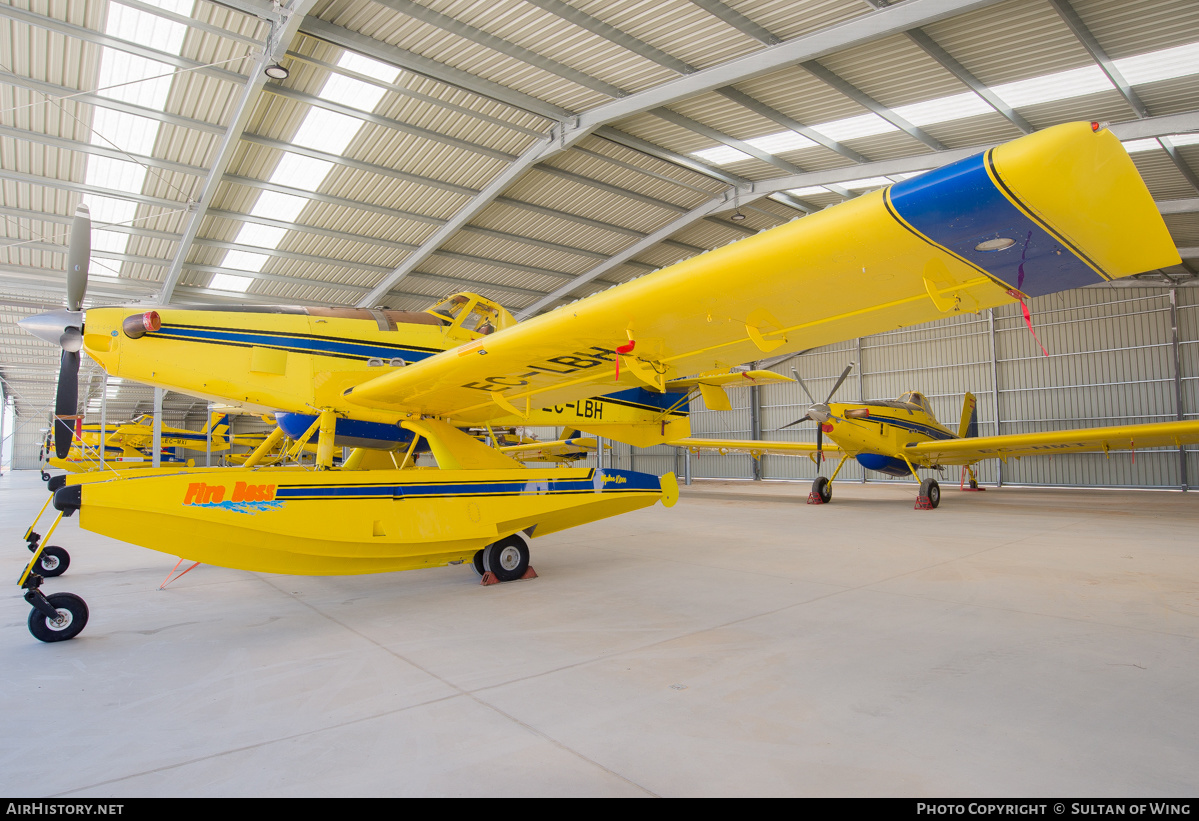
898, 437
1058, 209
129, 444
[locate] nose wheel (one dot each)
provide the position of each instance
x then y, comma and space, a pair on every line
54, 561
68, 621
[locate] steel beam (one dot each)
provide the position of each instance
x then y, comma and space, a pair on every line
1130, 130
404, 91
758, 107
962, 73
738, 21
107, 41
500, 45
400, 58
864, 29
613, 34
93, 99
648, 241
358, 165
386, 122
280, 38
101, 151
863, 99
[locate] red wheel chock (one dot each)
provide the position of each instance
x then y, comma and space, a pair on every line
814, 498
489, 577
923, 503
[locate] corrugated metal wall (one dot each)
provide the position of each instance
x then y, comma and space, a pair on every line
1111, 361
26, 440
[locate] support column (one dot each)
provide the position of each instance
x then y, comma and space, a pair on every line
208, 437
104, 423
687, 466
157, 438
755, 423
1178, 409
861, 388
3, 413
995, 391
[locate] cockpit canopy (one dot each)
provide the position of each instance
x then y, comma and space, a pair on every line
916, 399
470, 315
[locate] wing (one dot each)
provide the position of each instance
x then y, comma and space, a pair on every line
1058, 209
756, 447
1085, 440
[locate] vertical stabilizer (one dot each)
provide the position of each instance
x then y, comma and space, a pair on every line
969, 424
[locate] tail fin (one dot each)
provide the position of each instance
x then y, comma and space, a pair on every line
969, 425
216, 419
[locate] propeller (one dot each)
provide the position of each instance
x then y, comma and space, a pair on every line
818, 412
65, 329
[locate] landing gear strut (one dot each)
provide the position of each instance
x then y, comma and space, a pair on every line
59, 616
822, 489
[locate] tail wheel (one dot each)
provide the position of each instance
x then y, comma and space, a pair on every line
72, 618
823, 488
507, 559
54, 561
932, 490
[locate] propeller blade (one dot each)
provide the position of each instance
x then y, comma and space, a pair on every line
796, 422
78, 255
811, 399
66, 403
819, 445
844, 374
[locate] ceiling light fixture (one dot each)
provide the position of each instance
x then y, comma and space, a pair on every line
276, 72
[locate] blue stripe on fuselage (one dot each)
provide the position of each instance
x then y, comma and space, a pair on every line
959, 206
344, 348
915, 427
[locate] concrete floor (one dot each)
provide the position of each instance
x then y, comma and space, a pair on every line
1016, 642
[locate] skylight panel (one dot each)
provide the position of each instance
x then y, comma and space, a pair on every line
351, 92
1059, 86
1165, 64
907, 175
811, 190
118, 68
109, 241
783, 141
1133, 146
244, 261
1184, 139
721, 155
228, 282
261, 236
109, 209
138, 26
371, 68
177, 6
282, 207
944, 109
326, 131
852, 128
865, 182
298, 171
127, 132
115, 174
